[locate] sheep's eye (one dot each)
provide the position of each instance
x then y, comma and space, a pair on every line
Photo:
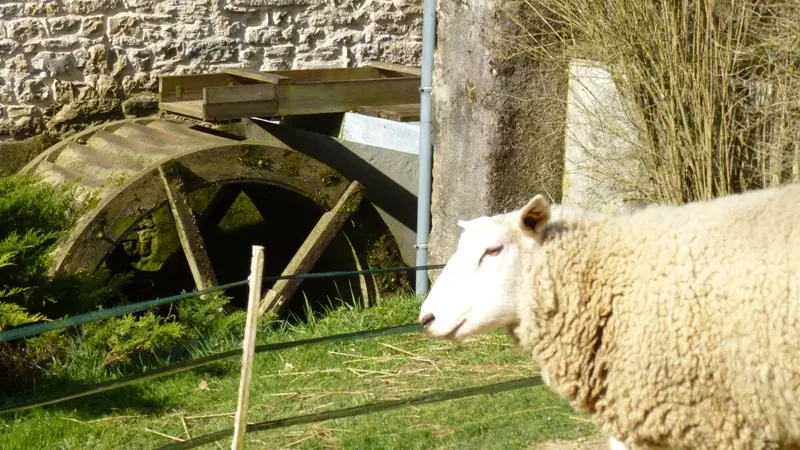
494, 251
491, 251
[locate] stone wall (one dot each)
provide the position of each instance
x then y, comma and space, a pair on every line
65, 62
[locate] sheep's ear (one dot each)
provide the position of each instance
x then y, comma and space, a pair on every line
535, 215
467, 224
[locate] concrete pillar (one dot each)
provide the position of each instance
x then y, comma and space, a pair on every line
601, 169
498, 122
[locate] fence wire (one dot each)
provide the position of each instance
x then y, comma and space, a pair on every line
192, 364
94, 316
195, 363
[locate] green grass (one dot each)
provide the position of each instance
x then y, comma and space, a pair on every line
318, 378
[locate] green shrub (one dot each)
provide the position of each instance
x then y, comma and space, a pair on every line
33, 217
122, 337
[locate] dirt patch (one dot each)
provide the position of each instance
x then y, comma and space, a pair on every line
589, 443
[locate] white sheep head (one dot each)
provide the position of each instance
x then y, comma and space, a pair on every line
488, 276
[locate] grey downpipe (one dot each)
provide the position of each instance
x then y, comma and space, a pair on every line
425, 148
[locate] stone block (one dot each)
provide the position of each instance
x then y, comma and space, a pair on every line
6, 92
17, 111
141, 59
142, 5
93, 26
63, 43
346, 37
17, 64
41, 8
8, 46
65, 24
268, 35
168, 49
365, 52
86, 7
10, 10
92, 60
22, 30
224, 26
32, 90
126, 42
319, 55
245, 4
124, 25
402, 52
118, 60
278, 57
53, 64
196, 32
279, 17
63, 91
217, 50
105, 85
251, 57
139, 105
308, 36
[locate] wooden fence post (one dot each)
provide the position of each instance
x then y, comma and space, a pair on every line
248, 347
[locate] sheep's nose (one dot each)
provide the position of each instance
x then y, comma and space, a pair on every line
427, 319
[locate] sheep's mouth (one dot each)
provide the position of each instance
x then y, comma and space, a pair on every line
452, 334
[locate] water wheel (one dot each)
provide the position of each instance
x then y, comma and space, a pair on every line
180, 206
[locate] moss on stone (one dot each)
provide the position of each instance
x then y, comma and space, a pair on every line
14, 154
254, 156
471, 91
290, 166
368, 231
152, 240
120, 226
354, 203
78, 115
330, 177
140, 105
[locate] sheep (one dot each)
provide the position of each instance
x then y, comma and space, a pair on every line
673, 326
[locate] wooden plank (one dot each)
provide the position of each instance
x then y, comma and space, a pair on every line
173, 88
192, 108
224, 111
343, 96
398, 113
254, 75
400, 69
188, 133
248, 348
337, 74
188, 233
235, 94
317, 241
158, 138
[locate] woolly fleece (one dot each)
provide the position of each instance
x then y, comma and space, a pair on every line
675, 326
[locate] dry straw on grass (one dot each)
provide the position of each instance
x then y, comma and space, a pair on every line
712, 86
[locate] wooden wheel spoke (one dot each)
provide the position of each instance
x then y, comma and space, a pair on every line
188, 232
312, 248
